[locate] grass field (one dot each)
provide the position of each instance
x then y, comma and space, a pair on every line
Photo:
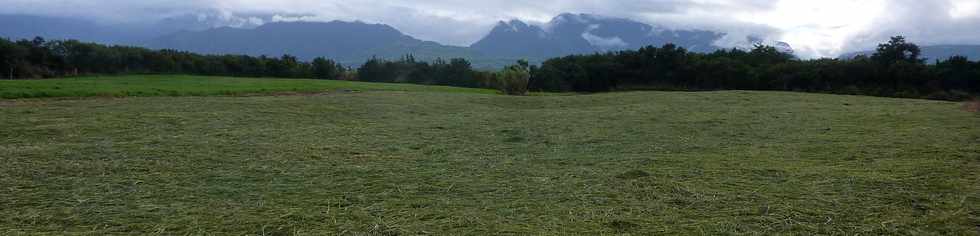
183, 85
430, 162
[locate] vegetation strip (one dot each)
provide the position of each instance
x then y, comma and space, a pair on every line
894, 70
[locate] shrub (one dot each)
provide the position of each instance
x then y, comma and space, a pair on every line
513, 80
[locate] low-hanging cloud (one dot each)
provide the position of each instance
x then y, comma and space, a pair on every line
604, 43
815, 28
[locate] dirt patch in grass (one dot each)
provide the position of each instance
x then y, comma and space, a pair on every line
972, 106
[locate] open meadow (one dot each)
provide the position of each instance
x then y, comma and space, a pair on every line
159, 155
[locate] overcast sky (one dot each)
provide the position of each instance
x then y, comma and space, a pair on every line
814, 28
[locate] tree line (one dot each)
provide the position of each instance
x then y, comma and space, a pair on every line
456, 72
894, 70
39, 58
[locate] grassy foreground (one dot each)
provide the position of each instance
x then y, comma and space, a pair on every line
185, 85
390, 163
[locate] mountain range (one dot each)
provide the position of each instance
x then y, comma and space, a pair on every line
352, 43
355, 42
27, 26
346, 42
583, 33
131, 33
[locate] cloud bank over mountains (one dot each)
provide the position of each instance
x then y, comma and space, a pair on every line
824, 28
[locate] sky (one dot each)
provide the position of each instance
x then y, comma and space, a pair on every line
824, 28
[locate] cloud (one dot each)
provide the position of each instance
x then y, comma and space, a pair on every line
924, 22
815, 28
602, 42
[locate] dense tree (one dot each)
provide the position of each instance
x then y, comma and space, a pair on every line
459, 72
456, 72
897, 50
958, 74
896, 69
39, 58
12, 55
327, 69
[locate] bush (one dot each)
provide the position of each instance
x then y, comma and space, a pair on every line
513, 80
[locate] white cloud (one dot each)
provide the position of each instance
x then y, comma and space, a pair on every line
604, 43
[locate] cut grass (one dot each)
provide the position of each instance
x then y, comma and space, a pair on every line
185, 85
462, 163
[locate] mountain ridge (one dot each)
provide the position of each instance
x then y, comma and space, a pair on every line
570, 33
353, 42
347, 42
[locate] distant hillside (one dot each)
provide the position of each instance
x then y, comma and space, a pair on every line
347, 42
583, 33
27, 27
131, 33
932, 53
352, 43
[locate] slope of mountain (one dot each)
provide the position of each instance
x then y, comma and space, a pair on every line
204, 20
131, 33
352, 43
584, 33
27, 27
935, 52
346, 42
517, 39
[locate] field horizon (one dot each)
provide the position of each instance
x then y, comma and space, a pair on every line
398, 159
